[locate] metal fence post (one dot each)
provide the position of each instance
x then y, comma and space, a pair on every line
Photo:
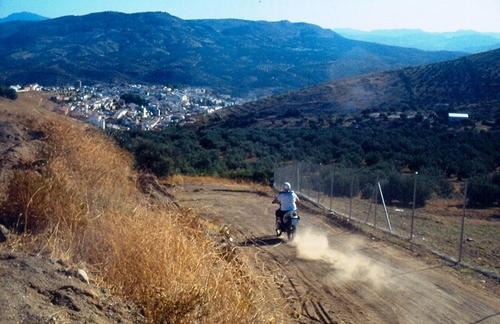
385, 208
375, 205
463, 223
298, 176
350, 200
309, 181
414, 201
275, 170
331, 191
317, 182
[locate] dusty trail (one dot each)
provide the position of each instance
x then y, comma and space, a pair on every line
332, 275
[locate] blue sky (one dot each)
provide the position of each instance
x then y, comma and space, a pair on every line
428, 15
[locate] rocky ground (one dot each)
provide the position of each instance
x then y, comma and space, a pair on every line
35, 289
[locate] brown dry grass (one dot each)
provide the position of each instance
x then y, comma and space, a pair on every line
82, 205
179, 180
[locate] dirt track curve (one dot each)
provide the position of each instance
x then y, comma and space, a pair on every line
330, 274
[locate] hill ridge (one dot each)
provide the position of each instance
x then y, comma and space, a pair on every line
468, 84
235, 56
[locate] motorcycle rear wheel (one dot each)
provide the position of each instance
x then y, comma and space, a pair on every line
291, 233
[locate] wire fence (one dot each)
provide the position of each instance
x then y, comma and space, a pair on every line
427, 210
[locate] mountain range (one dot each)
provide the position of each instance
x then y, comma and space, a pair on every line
239, 57
468, 41
23, 16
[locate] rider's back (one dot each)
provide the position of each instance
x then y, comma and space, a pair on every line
287, 200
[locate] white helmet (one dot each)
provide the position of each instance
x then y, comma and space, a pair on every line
286, 186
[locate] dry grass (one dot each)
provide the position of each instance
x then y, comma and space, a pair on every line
180, 180
83, 205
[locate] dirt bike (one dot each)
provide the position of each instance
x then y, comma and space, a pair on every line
288, 224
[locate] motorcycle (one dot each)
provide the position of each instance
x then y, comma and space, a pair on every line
288, 224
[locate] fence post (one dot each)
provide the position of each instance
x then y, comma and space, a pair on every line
309, 180
375, 205
414, 201
275, 170
331, 191
318, 193
317, 182
373, 201
369, 211
297, 174
463, 223
385, 208
350, 200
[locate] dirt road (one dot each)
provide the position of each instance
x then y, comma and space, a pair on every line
332, 274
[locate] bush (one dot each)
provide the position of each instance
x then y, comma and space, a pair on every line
134, 98
400, 187
259, 176
8, 92
482, 192
444, 188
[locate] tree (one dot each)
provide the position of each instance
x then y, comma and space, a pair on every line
292, 112
444, 188
134, 98
400, 187
482, 192
154, 158
419, 117
8, 92
221, 150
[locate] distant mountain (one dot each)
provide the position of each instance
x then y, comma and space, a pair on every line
468, 41
468, 84
23, 16
246, 58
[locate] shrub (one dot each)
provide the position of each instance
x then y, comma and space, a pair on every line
400, 187
482, 192
8, 92
444, 188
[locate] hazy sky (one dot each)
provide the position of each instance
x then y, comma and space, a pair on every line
428, 15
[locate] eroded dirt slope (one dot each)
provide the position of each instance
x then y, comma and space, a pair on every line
35, 289
331, 274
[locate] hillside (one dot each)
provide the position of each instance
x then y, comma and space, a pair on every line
468, 84
33, 287
250, 58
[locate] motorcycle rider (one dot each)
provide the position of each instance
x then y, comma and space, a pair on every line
288, 201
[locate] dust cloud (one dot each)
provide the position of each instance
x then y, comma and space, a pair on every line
347, 263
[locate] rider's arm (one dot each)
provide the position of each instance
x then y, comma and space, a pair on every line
276, 200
